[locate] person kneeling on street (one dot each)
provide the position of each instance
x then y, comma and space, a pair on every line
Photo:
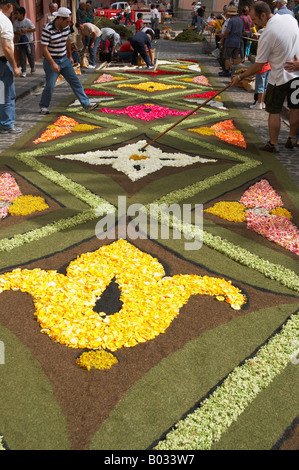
139, 42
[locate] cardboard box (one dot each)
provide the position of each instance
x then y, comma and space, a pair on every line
141, 61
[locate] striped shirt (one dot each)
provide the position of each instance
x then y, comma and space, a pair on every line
55, 40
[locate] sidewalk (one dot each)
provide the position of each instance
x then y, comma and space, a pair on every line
24, 86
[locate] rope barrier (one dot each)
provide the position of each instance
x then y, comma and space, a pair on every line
27, 42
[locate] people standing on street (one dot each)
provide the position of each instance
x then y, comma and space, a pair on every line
193, 14
81, 13
277, 49
24, 31
233, 38
282, 8
8, 70
200, 19
56, 49
245, 17
139, 24
89, 12
154, 17
128, 14
93, 33
49, 16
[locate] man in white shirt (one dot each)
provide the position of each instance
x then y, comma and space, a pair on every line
154, 17
8, 70
49, 16
278, 43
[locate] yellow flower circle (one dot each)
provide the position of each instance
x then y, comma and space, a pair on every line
24, 205
150, 301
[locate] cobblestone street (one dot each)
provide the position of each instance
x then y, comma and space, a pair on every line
29, 89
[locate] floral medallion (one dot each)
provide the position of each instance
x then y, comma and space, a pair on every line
134, 162
260, 207
63, 126
13, 202
150, 87
146, 112
225, 131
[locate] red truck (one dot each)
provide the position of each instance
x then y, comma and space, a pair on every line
115, 8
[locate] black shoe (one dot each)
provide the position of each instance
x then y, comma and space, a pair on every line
91, 106
225, 73
11, 130
291, 143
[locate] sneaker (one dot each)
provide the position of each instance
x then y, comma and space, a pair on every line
23, 75
44, 111
264, 106
256, 106
91, 66
151, 67
225, 73
91, 106
33, 71
269, 147
11, 130
291, 143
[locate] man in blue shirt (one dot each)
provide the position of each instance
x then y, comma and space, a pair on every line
282, 8
140, 41
233, 36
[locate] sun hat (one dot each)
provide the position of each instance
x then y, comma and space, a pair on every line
63, 12
232, 10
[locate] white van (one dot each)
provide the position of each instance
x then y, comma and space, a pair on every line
118, 6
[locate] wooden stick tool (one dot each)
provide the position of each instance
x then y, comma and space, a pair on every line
187, 115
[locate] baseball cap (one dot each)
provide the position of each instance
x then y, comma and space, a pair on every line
63, 12
13, 2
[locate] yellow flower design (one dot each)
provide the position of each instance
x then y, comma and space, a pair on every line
149, 86
97, 360
229, 210
150, 301
24, 205
282, 212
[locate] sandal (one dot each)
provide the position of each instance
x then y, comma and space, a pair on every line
269, 147
291, 143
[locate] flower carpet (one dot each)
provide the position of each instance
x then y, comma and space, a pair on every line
125, 324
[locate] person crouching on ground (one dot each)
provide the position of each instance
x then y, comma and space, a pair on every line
91, 31
140, 41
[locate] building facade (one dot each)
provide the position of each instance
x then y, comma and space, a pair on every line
36, 11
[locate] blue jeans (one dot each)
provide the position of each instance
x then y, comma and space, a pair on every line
67, 71
200, 24
7, 96
139, 48
93, 51
128, 18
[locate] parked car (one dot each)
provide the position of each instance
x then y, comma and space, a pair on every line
118, 6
